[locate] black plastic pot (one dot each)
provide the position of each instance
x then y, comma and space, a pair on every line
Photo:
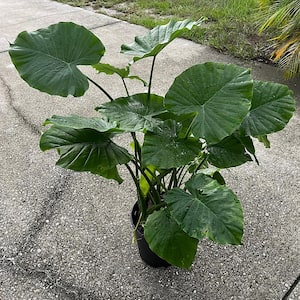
147, 255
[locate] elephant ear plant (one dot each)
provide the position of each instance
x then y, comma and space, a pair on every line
207, 121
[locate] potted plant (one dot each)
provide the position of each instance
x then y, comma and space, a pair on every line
179, 142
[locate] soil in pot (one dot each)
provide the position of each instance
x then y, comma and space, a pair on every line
147, 255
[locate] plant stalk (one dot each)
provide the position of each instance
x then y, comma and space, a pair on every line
101, 88
151, 76
125, 86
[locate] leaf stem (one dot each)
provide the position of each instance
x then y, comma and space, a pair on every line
151, 76
180, 177
137, 151
203, 160
173, 180
158, 179
101, 88
125, 86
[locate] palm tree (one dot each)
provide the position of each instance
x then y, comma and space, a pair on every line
284, 17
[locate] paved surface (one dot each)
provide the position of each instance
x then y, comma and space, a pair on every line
65, 235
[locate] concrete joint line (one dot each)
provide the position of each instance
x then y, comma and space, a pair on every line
41, 18
50, 280
105, 25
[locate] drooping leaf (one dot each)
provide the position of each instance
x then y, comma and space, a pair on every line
80, 122
168, 241
271, 109
110, 70
134, 113
230, 152
123, 73
157, 39
218, 94
85, 150
165, 149
47, 59
209, 210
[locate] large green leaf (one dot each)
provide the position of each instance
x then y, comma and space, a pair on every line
85, 150
168, 241
157, 39
47, 59
80, 122
218, 94
165, 148
272, 107
209, 210
230, 152
135, 113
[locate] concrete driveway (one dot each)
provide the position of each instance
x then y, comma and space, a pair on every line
66, 235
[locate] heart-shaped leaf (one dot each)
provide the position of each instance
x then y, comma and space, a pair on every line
47, 59
218, 94
135, 113
168, 241
209, 210
271, 109
165, 148
157, 39
85, 150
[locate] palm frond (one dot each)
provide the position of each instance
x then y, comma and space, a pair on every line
284, 16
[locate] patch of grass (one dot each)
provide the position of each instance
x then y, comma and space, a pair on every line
231, 27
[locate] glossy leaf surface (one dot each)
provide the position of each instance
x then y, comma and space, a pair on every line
208, 209
47, 59
230, 152
85, 150
165, 148
134, 113
168, 241
80, 122
218, 94
271, 109
157, 39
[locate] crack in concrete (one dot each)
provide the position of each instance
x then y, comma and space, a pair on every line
33, 128
47, 212
19, 266
50, 279
16, 264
